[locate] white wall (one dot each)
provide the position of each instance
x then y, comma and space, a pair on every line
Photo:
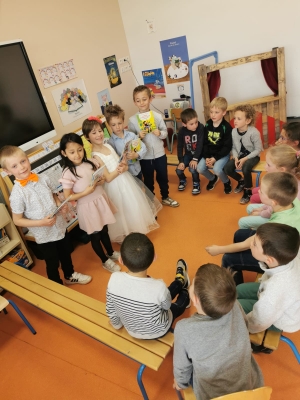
232, 28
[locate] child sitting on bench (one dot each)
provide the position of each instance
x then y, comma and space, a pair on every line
212, 347
274, 302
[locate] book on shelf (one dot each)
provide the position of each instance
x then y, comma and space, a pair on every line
146, 121
4, 239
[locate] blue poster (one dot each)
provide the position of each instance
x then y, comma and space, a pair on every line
176, 59
153, 79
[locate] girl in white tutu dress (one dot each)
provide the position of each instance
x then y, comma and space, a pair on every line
94, 209
136, 209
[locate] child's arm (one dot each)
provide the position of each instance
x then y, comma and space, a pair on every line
182, 365
20, 220
215, 250
161, 130
256, 140
114, 319
77, 196
199, 147
109, 176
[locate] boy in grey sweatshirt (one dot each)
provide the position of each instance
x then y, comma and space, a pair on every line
212, 348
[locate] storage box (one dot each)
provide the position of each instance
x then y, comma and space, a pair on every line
4, 239
17, 256
180, 103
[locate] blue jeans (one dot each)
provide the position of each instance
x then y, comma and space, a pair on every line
217, 169
241, 260
187, 158
252, 221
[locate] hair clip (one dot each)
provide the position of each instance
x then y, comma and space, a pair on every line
95, 119
297, 154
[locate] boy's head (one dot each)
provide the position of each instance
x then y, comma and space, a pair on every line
290, 134
15, 162
214, 290
142, 98
278, 188
137, 252
114, 111
189, 119
244, 114
218, 107
275, 244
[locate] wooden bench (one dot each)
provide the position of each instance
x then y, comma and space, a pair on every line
85, 314
172, 159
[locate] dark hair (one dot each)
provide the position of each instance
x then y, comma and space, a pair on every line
188, 114
72, 138
292, 130
137, 252
282, 187
141, 88
114, 111
215, 288
280, 241
89, 124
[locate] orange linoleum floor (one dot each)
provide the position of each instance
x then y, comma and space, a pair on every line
60, 363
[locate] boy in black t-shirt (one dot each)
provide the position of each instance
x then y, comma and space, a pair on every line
217, 146
190, 142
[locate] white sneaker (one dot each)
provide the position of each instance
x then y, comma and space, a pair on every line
110, 266
77, 277
115, 255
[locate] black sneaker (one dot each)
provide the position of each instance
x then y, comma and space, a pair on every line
182, 273
227, 187
196, 188
211, 184
260, 349
182, 185
246, 196
240, 186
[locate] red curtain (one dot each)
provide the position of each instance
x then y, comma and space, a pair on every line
269, 69
214, 83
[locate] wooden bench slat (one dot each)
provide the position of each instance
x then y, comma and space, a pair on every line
272, 339
257, 338
107, 337
157, 347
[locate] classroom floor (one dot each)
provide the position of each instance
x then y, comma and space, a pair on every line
60, 363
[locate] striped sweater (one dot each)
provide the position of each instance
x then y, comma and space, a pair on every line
141, 305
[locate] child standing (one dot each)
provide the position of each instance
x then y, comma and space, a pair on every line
136, 209
246, 149
143, 305
274, 302
214, 338
94, 209
278, 159
33, 203
155, 158
120, 136
217, 145
190, 138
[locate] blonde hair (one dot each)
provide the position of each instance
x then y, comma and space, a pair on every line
9, 151
285, 156
219, 102
249, 111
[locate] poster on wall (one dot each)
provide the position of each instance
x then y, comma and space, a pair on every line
176, 59
153, 79
104, 99
72, 102
112, 71
57, 73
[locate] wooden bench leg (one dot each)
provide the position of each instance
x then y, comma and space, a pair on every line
22, 316
179, 395
140, 381
292, 346
257, 178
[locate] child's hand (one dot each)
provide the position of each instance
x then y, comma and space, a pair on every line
121, 168
100, 180
210, 162
132, 155
142, 134
181, 166
213, 250
89, 189
175, 385
236, 162
193, 164
48, 221
255, 212
241, 162
156, 132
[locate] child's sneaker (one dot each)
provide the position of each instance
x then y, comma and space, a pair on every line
110, 266
240, 186
246, 196
196, 188
170, 202
182, 273
182, 185
227, 188
115, 255
77, 277
211, 184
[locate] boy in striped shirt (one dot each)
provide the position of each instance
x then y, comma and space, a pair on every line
143, 305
